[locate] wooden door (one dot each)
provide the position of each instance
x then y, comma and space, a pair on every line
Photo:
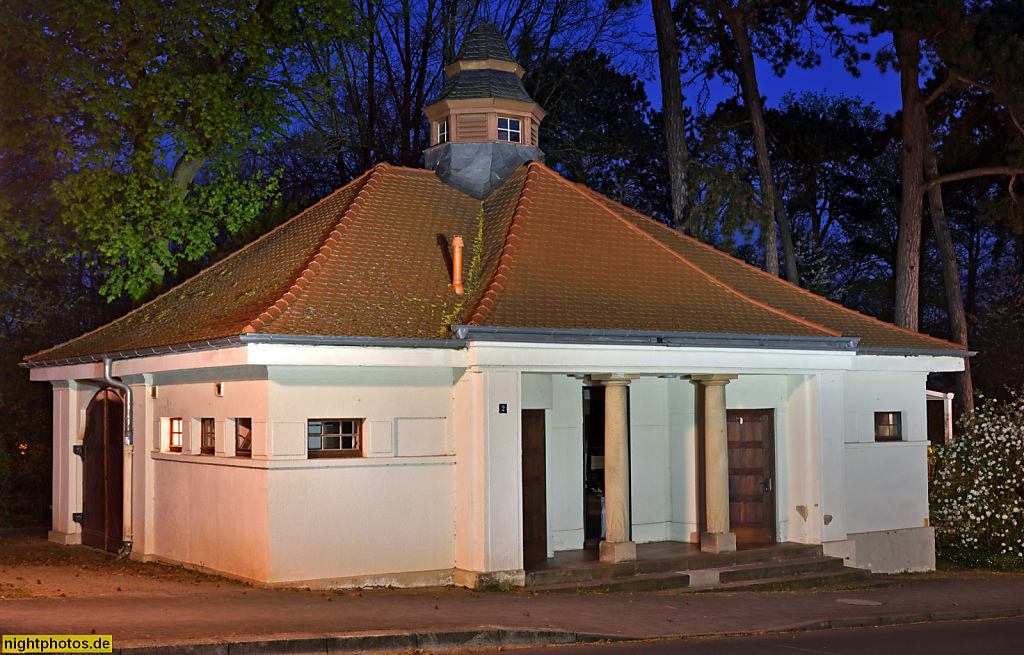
535, 497
102, 467
751, 436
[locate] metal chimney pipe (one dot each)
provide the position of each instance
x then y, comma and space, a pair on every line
457, 265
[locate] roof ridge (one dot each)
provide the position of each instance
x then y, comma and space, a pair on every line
784, 281
315, 264
775, 310
211, 267
508, 251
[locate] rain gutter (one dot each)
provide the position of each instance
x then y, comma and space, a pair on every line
127, 468
651, 338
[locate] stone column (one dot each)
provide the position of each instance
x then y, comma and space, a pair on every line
616, 546
717, 539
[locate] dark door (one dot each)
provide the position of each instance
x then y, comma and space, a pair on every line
102, 467
535, 495
752, 475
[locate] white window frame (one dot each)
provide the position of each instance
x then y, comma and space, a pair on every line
510, 130
442, 131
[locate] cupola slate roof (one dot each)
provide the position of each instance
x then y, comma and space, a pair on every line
483, 83
371, 260
485, 42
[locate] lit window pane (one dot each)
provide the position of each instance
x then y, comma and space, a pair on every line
314, 443
315, 427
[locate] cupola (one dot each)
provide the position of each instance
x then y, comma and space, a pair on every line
483, 124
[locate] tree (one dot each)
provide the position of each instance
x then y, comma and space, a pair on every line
672, 111
738, 32
140, 111
598, 131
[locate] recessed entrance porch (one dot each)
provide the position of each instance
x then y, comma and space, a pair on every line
674, 565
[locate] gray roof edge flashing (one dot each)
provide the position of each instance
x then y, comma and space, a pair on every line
250, 338
643, 337
207, 344
909, 352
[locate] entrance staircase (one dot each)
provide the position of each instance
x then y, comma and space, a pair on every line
775, 568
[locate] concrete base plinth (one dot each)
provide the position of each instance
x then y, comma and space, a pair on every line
65, 538
717, 542
618, 551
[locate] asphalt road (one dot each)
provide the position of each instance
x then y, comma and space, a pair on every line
992, 637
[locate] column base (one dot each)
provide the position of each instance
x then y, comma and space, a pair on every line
717, 542
64, 538
618, 551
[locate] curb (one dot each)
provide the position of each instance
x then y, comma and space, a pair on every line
375, 643
904, 619
493, 638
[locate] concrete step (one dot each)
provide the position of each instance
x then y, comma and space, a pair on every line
799, 573
607, 571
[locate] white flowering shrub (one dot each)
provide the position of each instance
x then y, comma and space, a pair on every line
976, 491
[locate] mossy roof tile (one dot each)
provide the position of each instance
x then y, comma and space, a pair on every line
372, 260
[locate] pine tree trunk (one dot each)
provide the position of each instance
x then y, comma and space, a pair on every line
672, 107
950, 269
908, 245
774, 211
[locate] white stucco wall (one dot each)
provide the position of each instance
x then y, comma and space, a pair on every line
391, 511
565, 464
887, 482
650, 481
212, 516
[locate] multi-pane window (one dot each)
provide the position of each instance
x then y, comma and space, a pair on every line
209, 432
888, 426
243, 437
176, 434
510, 129
442, 132
331, 437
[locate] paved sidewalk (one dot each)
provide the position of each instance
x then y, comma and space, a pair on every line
269, 621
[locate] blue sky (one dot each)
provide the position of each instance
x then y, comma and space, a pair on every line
882, 90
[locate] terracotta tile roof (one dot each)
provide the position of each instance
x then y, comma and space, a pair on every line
370, 261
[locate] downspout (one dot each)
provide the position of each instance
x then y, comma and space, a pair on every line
129, 449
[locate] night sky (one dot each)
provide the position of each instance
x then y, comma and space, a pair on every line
883, 90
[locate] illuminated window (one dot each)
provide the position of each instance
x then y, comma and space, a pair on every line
442, 132
243, 437
209, 432
333, 437
888, 426
509, 129
176, 432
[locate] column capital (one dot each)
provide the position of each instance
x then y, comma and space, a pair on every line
716, 380
614, 379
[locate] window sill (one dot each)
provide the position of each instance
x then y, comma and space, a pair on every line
334, 454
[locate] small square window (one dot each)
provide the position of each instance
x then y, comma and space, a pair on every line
888, 426
442, 132
510, 129
334, 437
243, 437
176, 435
209, 431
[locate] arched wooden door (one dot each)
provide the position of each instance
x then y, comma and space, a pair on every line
102, 466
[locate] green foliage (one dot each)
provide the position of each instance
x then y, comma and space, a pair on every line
977, 488
130, 119
471, 285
